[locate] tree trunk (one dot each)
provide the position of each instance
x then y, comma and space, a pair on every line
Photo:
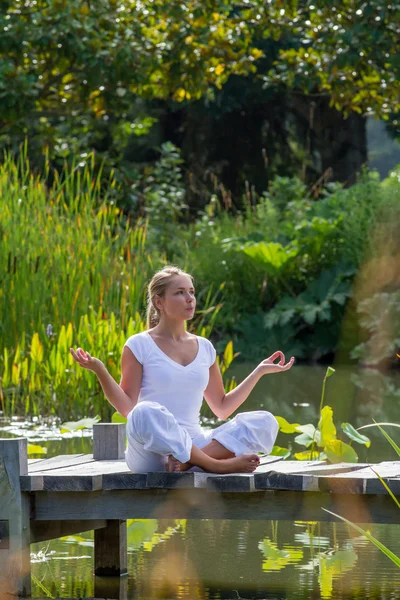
335, 145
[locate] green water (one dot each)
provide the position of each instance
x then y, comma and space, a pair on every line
239, 559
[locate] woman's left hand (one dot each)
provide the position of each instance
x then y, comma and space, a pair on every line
270, 366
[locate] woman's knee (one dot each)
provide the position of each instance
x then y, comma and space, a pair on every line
141, 413
271, 422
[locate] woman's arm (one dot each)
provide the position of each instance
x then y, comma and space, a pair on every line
223, 405
122, 397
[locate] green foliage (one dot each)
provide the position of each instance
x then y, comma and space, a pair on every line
161, 193
75, 273
344, 50
64, 59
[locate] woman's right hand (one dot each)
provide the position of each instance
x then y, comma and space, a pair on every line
86, 361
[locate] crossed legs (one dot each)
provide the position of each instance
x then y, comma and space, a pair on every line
215, 458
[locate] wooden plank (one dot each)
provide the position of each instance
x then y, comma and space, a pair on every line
237, 483
297, 477
109, 441
110, 549
14, 508
42, 531
197, 503
364, 481
59, 462
92, 468
125, 481
66, 483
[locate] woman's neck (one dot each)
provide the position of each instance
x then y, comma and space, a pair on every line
170, 329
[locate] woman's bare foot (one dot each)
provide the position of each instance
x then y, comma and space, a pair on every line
175, 466
246, 463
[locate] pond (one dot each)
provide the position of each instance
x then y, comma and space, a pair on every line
239, 559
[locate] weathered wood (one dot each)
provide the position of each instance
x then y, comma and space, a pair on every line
198, 503
109, 441
14, 508
292, 476
110, 549
49, 530
59, 462
364, 481
125, 481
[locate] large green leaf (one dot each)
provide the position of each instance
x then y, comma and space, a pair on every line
272, 256
278, 451
338, 451
287, 427
326, 426
78, 425
354, 435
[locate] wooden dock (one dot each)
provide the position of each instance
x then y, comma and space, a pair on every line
49, 498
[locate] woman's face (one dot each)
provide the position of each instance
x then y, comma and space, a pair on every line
179, 301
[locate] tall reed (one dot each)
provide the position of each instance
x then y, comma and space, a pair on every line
73, 272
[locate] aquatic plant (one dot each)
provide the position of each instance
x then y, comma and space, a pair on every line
321, 441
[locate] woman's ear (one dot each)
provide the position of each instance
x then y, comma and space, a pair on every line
157, 302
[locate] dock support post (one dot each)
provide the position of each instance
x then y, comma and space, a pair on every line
110, 542
15, 567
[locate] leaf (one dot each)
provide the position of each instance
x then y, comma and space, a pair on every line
36, 349
117, 418
377, 543
338, 451
287, 427
387, 488
34, 449
307, 455
389, 439
326, 426
354, 435
78, 425
278, 451
303, 440
272, 256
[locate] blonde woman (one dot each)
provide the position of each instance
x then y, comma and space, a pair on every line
166, 372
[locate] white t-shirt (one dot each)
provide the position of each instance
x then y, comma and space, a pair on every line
179, 388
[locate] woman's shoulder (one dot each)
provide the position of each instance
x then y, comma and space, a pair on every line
138, 344
209, 347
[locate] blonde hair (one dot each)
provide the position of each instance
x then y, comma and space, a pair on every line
157, 287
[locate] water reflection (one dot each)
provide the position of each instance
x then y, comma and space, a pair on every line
226, 559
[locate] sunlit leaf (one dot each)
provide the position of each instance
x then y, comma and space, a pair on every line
287, 427
278, 451
326, 426
338, 451
355, 436
78, 425
35, 449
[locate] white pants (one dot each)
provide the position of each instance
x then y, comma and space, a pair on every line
154, 434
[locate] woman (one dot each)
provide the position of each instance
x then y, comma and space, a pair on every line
166, 371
